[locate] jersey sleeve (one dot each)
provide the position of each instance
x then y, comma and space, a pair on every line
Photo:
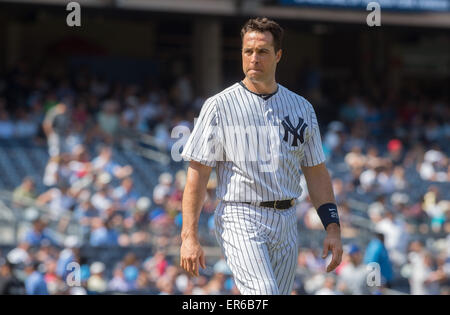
204, 144
313, 151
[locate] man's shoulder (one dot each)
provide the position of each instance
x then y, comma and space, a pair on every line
299, 100
227, 91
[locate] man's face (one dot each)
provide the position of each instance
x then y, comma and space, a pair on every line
259, 60
29, 185
356, 258
39, 226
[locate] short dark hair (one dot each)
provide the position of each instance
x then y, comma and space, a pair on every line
264, 25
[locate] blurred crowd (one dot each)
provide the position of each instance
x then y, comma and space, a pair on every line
47, 270
96, 110
391, 178
391, 175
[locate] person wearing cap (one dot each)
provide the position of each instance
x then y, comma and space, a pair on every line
354, 273
35, 282
97, 282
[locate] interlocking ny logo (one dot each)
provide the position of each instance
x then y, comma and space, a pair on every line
289, 128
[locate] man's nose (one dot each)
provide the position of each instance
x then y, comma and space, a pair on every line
254, 58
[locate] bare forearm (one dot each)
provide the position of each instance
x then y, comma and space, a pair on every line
320, 188
193, 198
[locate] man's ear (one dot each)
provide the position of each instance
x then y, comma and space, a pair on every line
278, 55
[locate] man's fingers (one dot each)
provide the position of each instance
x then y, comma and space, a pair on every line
336, 259
332, 266
189, 266
326, 248
186, 266
203, 261
194, 263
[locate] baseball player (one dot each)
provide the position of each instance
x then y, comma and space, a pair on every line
255, 220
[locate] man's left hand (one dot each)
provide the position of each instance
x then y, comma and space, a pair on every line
333, 242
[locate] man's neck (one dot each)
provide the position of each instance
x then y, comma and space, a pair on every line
260, 87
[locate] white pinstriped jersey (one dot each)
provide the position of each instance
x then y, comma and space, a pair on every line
295, 142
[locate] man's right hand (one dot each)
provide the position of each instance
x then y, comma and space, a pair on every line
191, 255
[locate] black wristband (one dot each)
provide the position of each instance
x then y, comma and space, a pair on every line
328, 214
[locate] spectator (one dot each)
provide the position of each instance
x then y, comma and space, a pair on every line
35, 282
59, 199
53, 281
333, 139
354, 274
376, 252
102, 199
434, 167
435, 208
38, 234
118, 283
19, 255
9, 282
216, 285
328, 287
108, 120
396, 236
104, 162
156, 265
125, 195
103, 234
131, 274
137, 223
97, 282
55, 126
163, 189
424, 280
26, 191
84, 214
68, 255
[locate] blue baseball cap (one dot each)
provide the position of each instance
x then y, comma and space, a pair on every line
353, 249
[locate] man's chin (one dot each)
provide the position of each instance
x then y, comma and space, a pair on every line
255, 78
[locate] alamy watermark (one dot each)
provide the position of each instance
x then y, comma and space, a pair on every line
261, 144
73, 278
74, 17
374, 17
373, 278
